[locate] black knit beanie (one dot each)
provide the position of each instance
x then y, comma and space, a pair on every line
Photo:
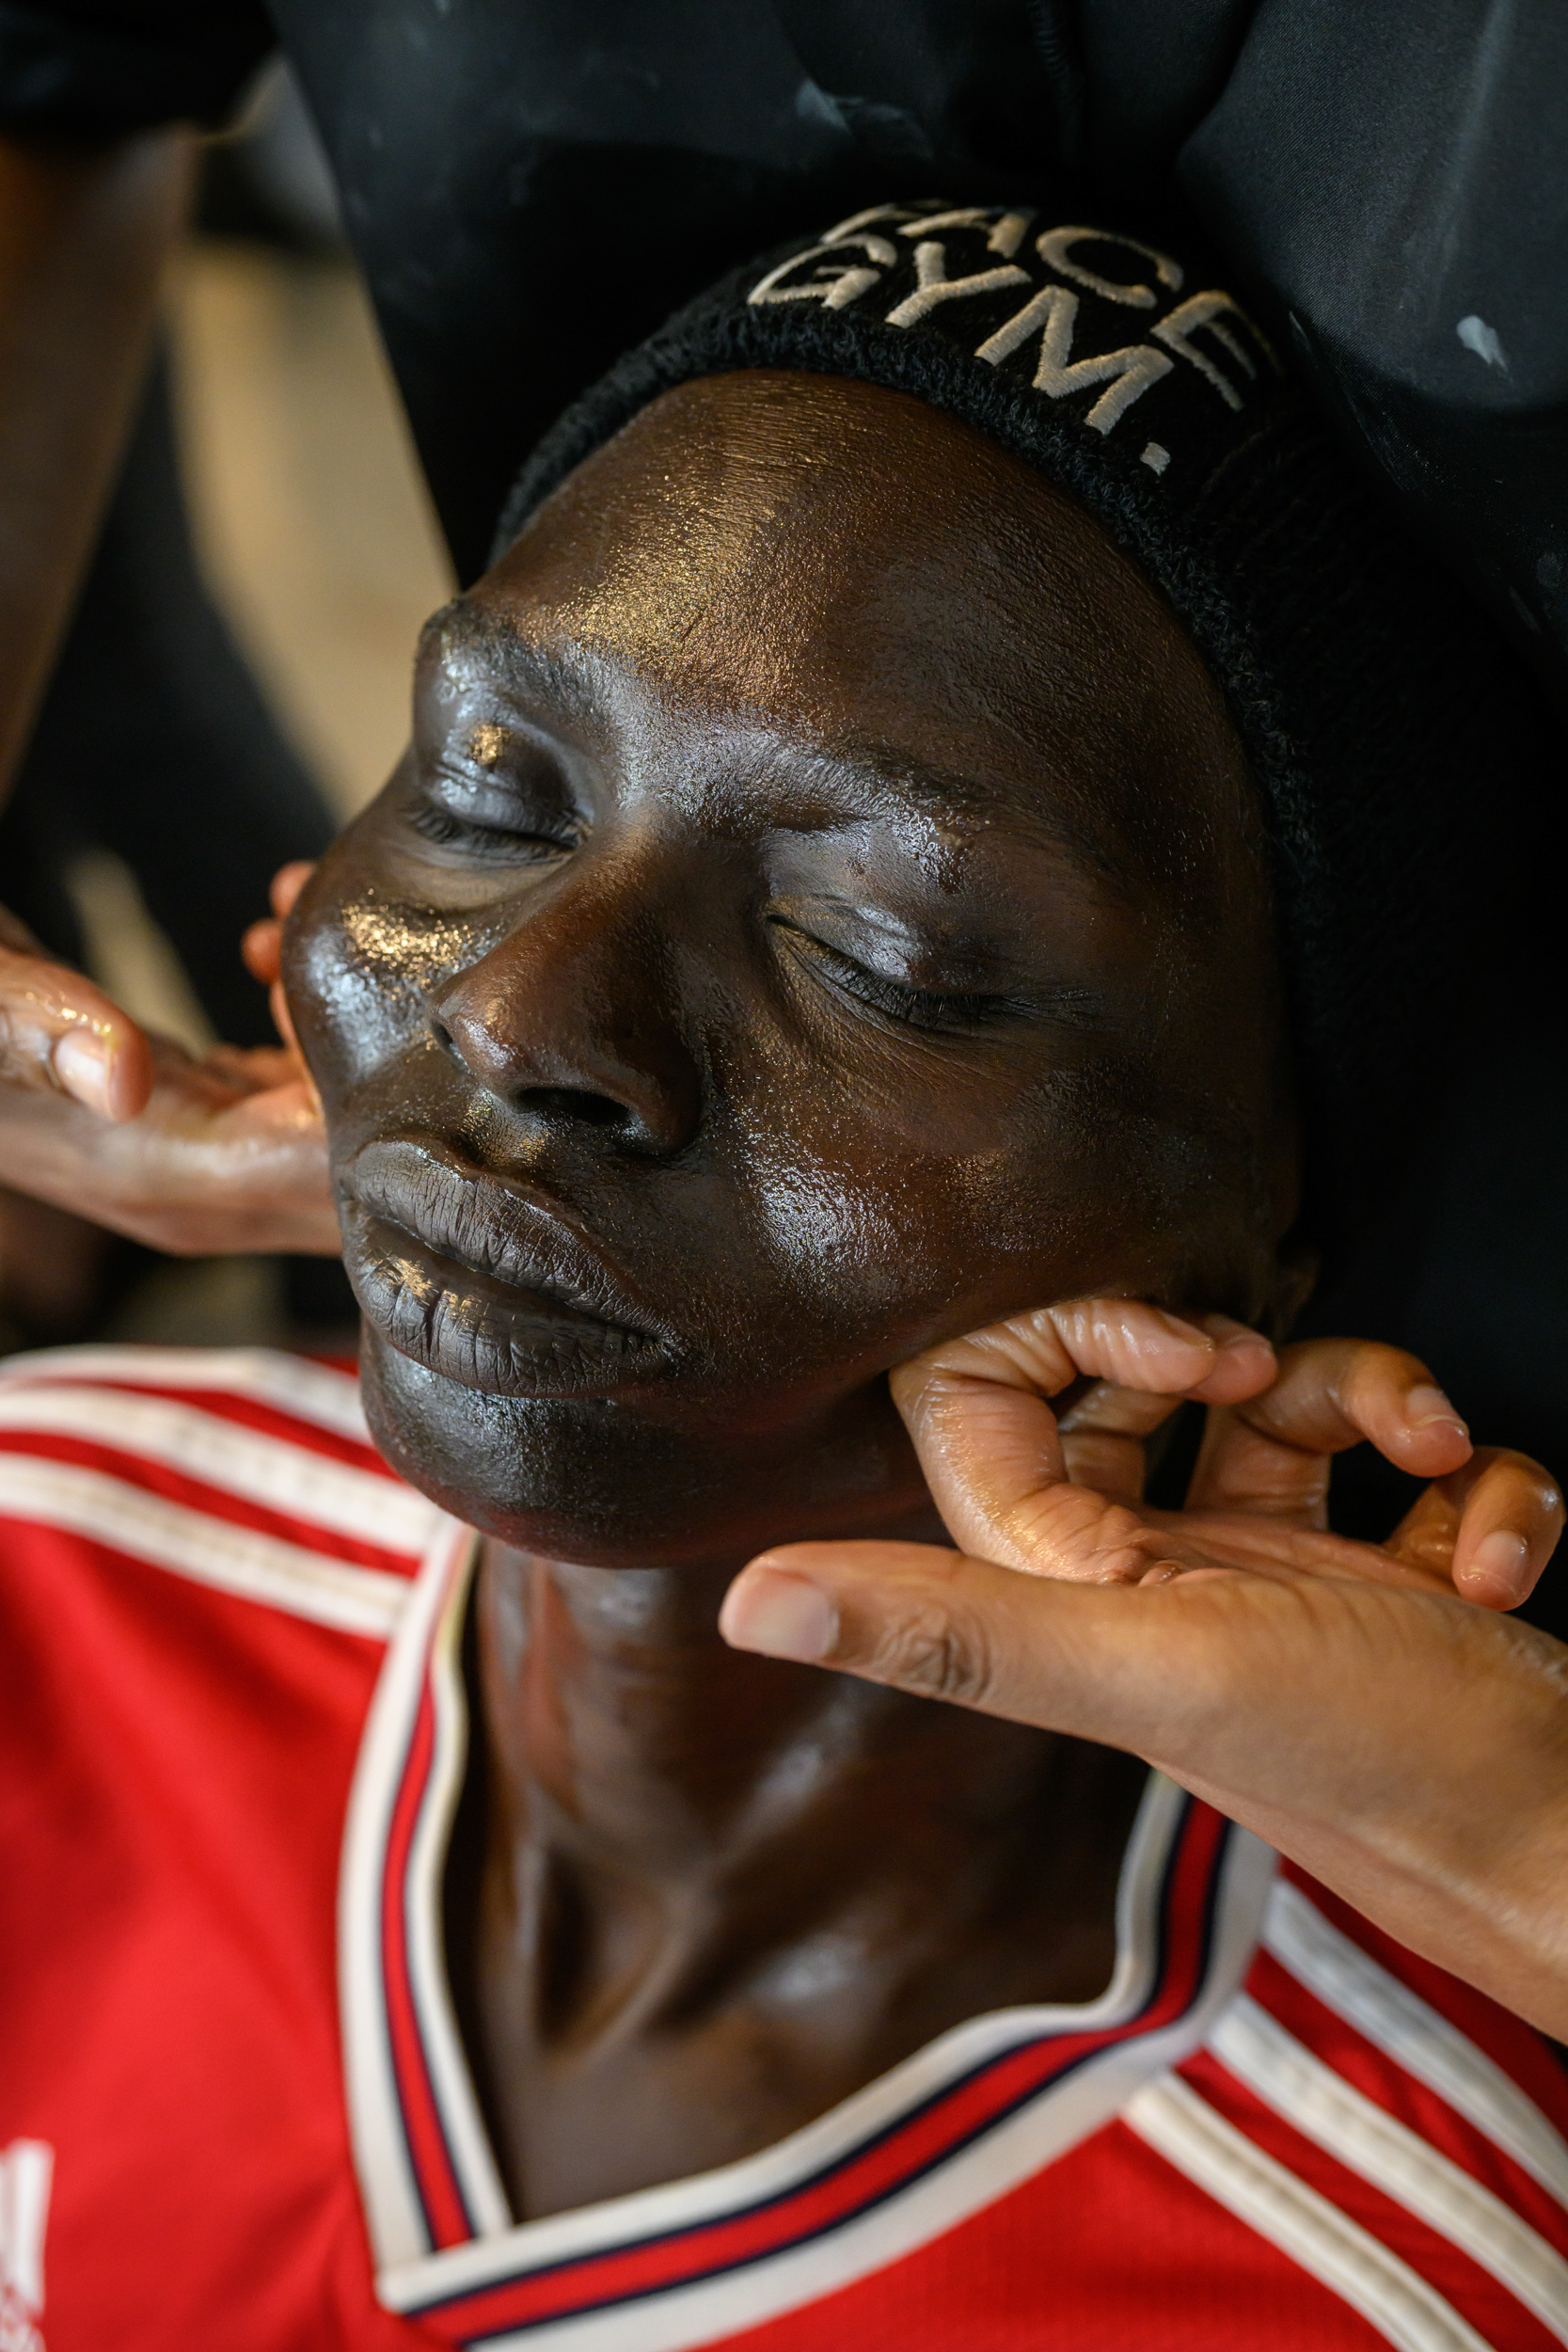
1388, 734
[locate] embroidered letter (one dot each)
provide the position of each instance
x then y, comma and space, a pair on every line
1057, 244
1127, 374
26, 2167
1203, 310
930, 268
836, 289
1004, 236
843, 232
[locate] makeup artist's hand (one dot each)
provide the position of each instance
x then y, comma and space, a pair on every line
223, 1152
1364, 1708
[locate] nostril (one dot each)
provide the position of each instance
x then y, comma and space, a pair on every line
575, 1102
442, 1035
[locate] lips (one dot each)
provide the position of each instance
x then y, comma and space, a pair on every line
484, 1280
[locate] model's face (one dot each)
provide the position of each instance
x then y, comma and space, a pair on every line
819, 912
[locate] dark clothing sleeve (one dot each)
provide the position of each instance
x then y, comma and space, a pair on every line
105, 68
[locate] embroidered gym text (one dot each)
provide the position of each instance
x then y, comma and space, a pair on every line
892, 252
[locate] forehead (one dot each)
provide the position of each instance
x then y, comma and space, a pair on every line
490, 665
844, 567
806, 539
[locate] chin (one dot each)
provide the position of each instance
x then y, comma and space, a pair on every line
595, 1482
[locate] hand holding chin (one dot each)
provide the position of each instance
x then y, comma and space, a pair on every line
1365, 1708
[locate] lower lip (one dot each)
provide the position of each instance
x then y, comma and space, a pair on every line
470, 1328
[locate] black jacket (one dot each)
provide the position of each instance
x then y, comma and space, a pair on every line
1389, 182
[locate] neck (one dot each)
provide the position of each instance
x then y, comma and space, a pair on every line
622, 1728
688, 1851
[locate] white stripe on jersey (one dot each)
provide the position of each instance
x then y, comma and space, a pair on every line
290, 1384
1291, 2079
26, 2170
276, 1473
1410, 2032
1238, 2174
209, 1551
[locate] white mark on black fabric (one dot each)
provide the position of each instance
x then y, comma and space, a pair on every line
1483, 341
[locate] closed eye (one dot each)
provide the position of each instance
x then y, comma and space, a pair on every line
508, 843
915, 1007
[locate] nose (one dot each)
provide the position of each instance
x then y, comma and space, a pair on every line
569, 1021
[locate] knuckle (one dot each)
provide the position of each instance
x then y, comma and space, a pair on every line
1523, 1466
1375, 1372
23, 1055
938, 1653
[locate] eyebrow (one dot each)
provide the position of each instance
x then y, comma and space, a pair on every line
948, 794
565, 685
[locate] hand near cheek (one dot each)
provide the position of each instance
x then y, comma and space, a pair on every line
62, 1037
223, 1152
1065, 1498
262, 951
1352, 1703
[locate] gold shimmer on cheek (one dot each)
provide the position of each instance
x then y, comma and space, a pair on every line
486, 743
416, 946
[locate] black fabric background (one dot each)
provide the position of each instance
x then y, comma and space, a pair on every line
1372, 175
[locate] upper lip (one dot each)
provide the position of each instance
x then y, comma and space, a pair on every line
494, 1225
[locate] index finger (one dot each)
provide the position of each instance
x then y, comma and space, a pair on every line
1271, 1454
987, 1438
1124, 1341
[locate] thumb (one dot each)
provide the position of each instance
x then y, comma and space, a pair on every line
1143, 1667
60, 1033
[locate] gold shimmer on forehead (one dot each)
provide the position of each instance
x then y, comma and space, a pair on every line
486, 743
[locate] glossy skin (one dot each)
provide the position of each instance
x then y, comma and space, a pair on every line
821, 912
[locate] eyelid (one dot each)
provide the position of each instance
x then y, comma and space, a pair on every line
899, 1000
517, 843
526, 794
524, 767
878, 928
487, 800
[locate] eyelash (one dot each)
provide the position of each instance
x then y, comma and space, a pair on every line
915, 1007
449, 832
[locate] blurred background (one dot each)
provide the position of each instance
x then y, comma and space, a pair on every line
244, 644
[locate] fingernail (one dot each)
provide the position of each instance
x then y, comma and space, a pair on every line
781, 1615
82, 1064
1503, 1560
1232, 1338
1425, 1407
1181, 1329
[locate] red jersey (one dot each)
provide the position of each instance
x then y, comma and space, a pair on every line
235, 2114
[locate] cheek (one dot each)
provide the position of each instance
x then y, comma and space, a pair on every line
348, 1014
360, 969
911, 1204
846, 1235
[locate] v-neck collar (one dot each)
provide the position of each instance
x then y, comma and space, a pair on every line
908, 2157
